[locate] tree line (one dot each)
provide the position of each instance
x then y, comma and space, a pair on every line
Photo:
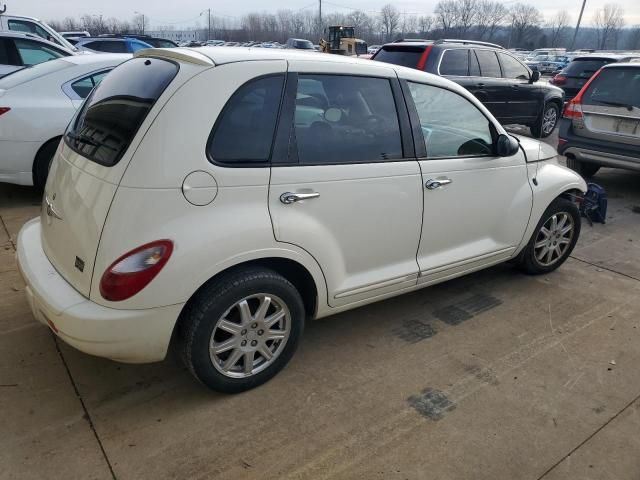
519, 25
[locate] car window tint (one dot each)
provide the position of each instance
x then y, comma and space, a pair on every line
584, 68
84, 86
606, 88
4, 52
407, 56
452, 126
345, 119
512, 68
474, 66
489, 66
108, 47
244, 131
33, 53
115, 109
136, 45
455, 62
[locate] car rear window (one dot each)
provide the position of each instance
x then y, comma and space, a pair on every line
113, 113
587, 67
407, 56
605, 89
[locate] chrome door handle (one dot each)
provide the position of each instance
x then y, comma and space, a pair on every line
433, 184
289, 197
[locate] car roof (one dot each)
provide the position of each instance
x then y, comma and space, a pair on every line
606, 56
623, 64
34, 37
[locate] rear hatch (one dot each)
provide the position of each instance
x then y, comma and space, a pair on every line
579, 71
91, 160
611, 107
401, 54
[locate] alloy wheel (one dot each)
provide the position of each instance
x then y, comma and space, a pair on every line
549, 120
250, 335
554, 238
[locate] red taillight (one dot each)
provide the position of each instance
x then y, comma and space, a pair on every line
573, 109
134, 270
423, 58
559, 79
4, 110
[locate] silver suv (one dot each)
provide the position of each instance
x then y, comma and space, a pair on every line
601, 125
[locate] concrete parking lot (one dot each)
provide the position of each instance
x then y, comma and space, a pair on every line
496, 375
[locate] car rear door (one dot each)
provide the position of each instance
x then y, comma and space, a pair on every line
348, 187
487, 83
611, 107
476, 204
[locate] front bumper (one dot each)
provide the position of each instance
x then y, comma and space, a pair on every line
130, 336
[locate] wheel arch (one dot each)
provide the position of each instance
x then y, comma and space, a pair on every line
44, 145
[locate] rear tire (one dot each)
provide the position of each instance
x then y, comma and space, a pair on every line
225, 336
42, 163
548, 237
547, 122
584, 169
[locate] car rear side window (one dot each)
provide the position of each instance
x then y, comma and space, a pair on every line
451, 125
33, 53
244, 130
406, 56
455, 62
108, 47
489, 66
113, 113
606, 88
346, 119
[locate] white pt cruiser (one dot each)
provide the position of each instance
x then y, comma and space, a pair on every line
212, 200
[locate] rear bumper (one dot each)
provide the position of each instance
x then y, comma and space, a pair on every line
130, 336
606, 154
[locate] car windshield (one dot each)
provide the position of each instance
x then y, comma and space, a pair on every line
31, 73
304, 44
585, 67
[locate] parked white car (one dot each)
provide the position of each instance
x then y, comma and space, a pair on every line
22, 24
299, 188
36, 104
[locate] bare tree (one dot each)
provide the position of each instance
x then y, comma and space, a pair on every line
525, 20
608, 21
633, 40
467, 15
446, 13
389, 18
491, 16
558, 27
425, 22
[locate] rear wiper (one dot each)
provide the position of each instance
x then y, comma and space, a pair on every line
615, 104
78, 137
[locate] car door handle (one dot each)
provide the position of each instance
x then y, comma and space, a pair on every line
290, 197
480, 85
433, 184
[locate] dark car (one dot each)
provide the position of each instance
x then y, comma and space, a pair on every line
601, 125
112, 45
573, 77
153, 41
505, 85
300, 44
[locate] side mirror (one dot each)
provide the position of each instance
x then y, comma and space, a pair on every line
535, 76
506, 145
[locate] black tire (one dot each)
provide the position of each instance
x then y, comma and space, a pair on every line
203, 312
585, 170
42, 163
536, 129
528, 261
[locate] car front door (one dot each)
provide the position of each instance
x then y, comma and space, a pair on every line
476, 204
347, 187
525, 100
486, 82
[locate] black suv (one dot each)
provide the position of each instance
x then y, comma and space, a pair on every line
505, 85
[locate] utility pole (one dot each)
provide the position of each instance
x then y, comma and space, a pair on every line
209, 29
142, 14
575, 33
320, 17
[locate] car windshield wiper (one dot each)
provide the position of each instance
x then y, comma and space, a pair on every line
79, 137
615, 104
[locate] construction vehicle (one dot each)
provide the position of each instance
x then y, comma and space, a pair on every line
343, 41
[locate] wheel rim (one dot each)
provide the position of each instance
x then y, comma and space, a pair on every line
250, 335
549, 120
553, 239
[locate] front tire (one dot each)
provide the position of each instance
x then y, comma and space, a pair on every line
546, 122
585, 170
553, 239
241, 329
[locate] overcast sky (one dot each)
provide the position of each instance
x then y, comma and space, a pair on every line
185, 13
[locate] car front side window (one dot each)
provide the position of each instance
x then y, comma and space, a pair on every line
346, 119
512, 68
452, 126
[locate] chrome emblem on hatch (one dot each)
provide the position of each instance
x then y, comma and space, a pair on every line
51, 211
